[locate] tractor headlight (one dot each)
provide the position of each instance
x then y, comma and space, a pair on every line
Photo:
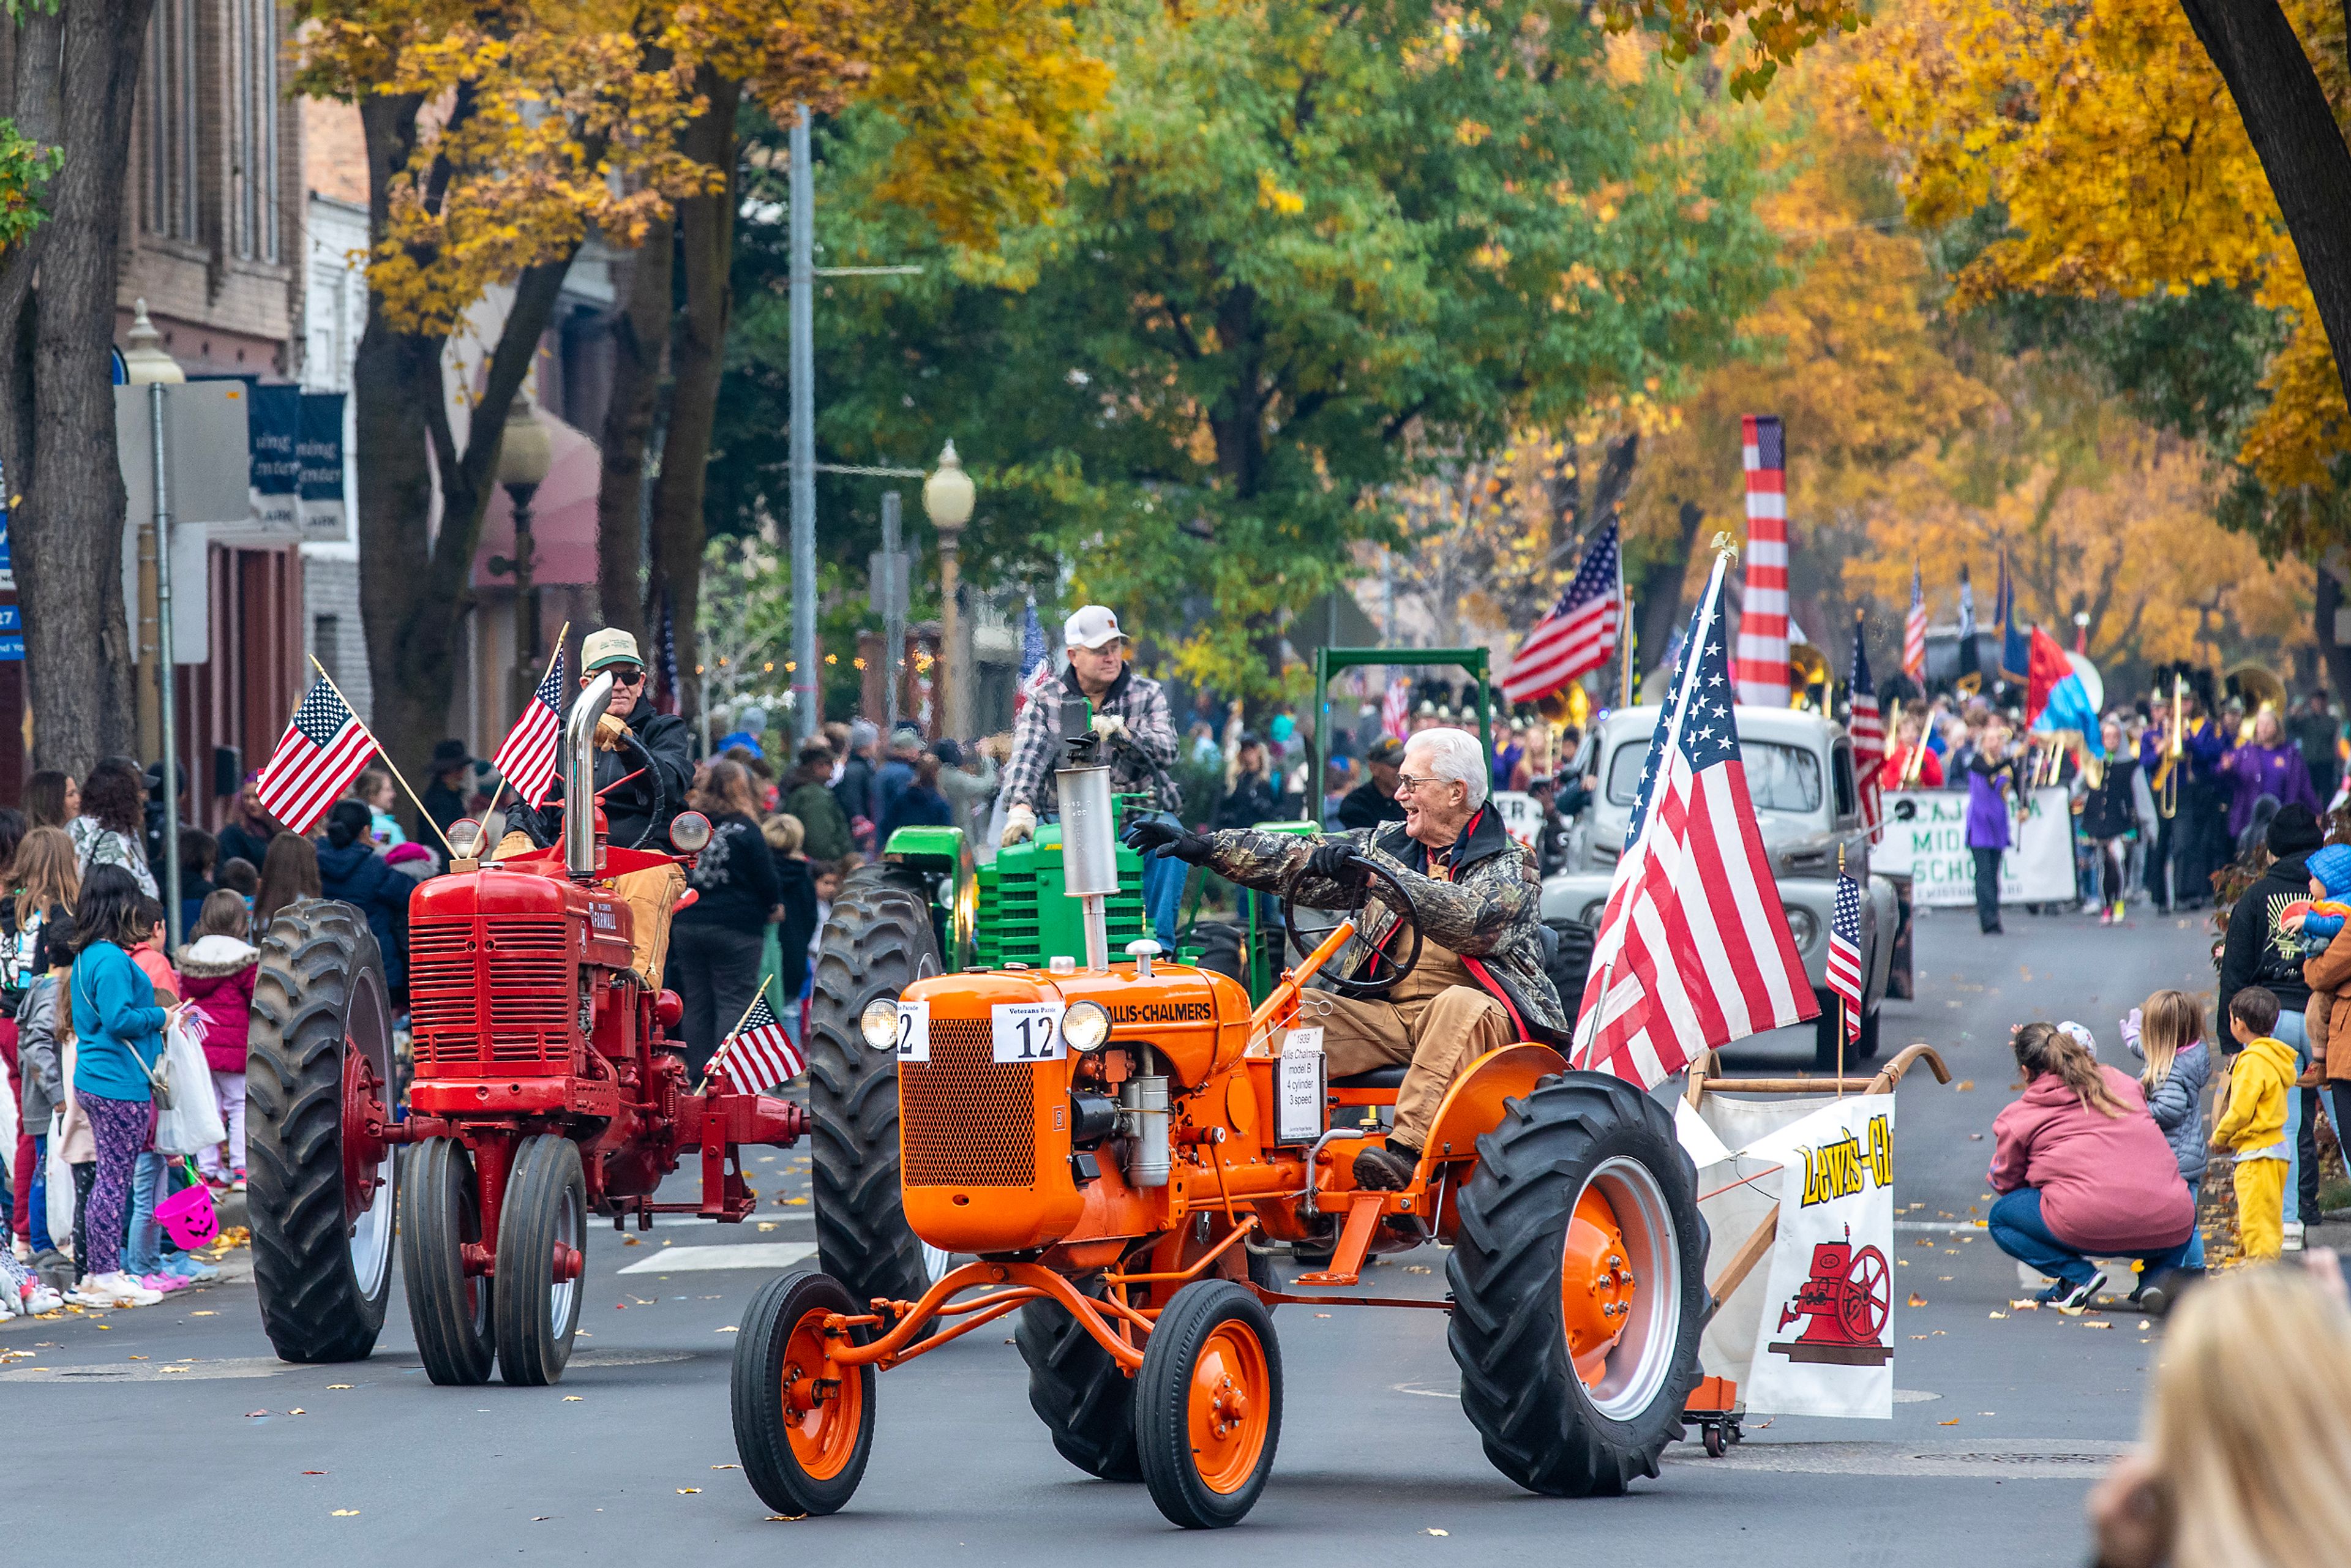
1085, 1025
878, 1024
689, 833
1804, 925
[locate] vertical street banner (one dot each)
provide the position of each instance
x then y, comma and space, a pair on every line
1825, 1346
318, 458
274, 429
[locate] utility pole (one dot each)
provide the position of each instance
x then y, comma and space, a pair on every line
892, 578
807, 674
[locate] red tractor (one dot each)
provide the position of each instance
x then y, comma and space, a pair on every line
545, 1092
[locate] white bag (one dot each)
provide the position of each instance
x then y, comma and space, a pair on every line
7, 1129
61, 1183
192, 1122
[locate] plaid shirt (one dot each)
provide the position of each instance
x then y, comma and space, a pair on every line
1139, 759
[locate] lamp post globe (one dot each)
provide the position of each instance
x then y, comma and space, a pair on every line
526, 453
948, 498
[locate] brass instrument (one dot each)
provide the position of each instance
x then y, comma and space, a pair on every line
2262, 692
1916, 760
1809, 677
2166, 782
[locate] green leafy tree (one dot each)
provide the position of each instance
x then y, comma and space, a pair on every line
1321, 249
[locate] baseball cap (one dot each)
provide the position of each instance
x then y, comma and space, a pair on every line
1091, 627
610, 646
1387, 749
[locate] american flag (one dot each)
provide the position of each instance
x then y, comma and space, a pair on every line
527, 758
1580, 633
1395, 708
1845, 953
759, 1054
318, 753
1694, 949
1914, 632
1763, 611
1867, 728
1035, 663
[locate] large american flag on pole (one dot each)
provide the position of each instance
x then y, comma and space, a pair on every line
1035, 663
1763, 609
527, 758
1914, 632
1866, 724
318, 753
1395, 708
1580, 634
1845, 953
759, 1054
1694, 949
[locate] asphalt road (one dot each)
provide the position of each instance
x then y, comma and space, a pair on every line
175, 1421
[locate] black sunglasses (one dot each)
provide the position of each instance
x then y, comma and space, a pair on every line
625, 674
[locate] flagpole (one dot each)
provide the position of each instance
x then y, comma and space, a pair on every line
483, 827
1625, 644
1841, 1001
727, 1040
380, 751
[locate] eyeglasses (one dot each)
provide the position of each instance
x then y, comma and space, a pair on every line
1406, 783
626, 674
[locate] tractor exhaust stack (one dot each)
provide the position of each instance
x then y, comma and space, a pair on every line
1089, 853
579, 779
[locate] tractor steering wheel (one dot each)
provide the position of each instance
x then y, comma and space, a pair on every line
538, 818
1396, 970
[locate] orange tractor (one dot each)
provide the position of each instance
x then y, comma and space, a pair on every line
1115, 1145
544, 1095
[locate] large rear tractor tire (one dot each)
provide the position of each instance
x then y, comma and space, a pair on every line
320, 1048
542, 1246
1086, 1402
803, 1424
1208, 1404
448, 1308
878, 942
1579, 1281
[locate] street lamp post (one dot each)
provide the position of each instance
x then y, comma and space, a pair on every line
947, 498
525, 455
149, 364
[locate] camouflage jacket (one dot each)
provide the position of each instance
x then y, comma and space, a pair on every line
1488, 911
1138, 761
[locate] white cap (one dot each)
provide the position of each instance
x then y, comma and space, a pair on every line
1091, 627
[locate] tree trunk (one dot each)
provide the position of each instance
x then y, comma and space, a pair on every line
705, 226
415, 578
2333, 657
40, 115
69, 535
1658, 588
640, 356
2284, 108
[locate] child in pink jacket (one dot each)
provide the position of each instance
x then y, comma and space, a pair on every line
216, 974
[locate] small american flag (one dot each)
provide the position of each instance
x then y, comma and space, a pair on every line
1845, 953
1035, 663
526, 759
318, 753
1395, 708
1914, 632
1763, 611
1580, 633
1694, 949
759, 1054
1866, 724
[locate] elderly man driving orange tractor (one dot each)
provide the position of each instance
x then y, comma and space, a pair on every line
1479, 984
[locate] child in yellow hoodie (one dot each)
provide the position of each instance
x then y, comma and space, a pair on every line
2253, 1127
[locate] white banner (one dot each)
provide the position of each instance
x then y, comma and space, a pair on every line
1825, 1346
1520, 813
1927, 839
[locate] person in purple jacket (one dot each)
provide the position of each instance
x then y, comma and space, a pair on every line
1992, 782
2266, 764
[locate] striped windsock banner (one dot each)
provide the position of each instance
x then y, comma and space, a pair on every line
1761, 668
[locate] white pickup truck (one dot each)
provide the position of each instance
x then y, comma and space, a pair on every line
1799, 772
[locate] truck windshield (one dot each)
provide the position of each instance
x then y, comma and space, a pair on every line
1779, 777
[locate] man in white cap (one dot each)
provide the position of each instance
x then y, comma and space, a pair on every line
1138, 743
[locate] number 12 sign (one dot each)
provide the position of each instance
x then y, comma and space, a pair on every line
1028, 1032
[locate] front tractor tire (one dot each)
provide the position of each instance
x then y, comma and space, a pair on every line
1085, 1399
319, 1051
803, 1423
542, 1244
879, 941
1579, 1281
448, 1308
1208, 1404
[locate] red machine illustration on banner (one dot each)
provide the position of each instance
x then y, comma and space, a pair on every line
1848, 1298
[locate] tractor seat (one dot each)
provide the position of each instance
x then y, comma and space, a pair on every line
1378, 1078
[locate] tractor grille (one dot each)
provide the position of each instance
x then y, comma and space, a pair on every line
520, 965
969, 1120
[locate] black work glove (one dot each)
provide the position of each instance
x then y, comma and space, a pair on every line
1335, 859
1148, 835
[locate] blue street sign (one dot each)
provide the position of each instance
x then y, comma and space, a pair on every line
12, 633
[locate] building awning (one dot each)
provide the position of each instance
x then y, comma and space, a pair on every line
562, 517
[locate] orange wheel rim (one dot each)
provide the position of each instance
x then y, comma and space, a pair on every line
824, 1403
1595, 1286
1231, 1407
